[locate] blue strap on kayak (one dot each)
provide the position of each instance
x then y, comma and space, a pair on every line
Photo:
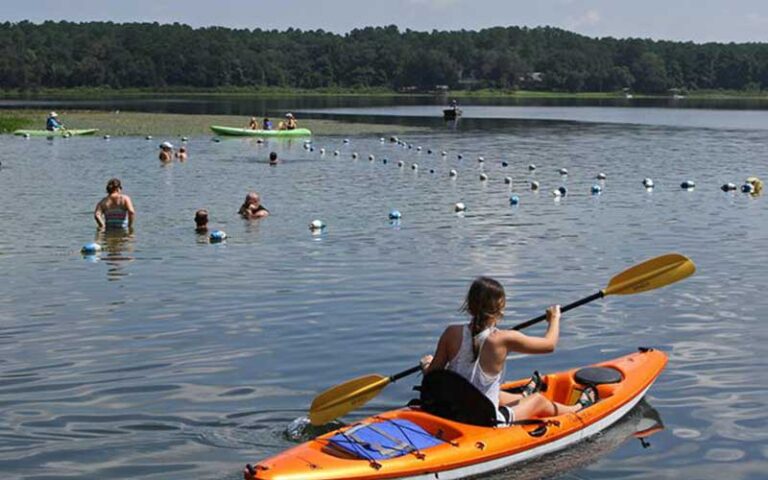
385, 439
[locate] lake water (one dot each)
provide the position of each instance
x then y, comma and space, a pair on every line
167, 357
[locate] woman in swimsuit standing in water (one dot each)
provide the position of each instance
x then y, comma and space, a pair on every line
115, 210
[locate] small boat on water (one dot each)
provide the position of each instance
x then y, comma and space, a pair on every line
56, 133
247, 132
426, 441
451, 113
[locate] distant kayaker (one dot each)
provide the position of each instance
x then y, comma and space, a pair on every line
290, 122
201, 221
115, 210
253, 124
273, 158
266, 124
52, 123
166, 152
454, 105
478, 351
181, 155
252, 207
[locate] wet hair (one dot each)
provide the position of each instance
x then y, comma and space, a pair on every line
485, 300
114, 185
201, 217
273, 156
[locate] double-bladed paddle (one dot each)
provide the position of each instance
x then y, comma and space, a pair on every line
651, 274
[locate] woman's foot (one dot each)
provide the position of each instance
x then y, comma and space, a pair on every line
533, 386
588, 398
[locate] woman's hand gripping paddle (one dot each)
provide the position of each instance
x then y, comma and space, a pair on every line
649, 275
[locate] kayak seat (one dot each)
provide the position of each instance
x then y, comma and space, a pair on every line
594, 376
448, 395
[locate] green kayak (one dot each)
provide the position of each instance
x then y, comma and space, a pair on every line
247, 132
55, 133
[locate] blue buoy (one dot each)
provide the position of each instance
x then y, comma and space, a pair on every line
514, 200
90, 249
563, 191
596, 189
217, 236
384, 161
216, 139
395, 215
748, 188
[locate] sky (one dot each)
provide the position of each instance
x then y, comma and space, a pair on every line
686, 20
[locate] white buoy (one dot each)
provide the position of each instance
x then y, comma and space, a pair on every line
443, 153
648, 183
371, 157
508, 180
688, 185
336, 153
106, 137
418, 149
395, 215
148, 137
400, 163
322, 151
534, 185
563, 171
728, 187
557, 193
453, 173
531, 167
460, 156
504, 163
316, 225
414, 166
354, 155
346, 140
459, 207
184, 139
381, 140
601, 176
483, 177
480, 159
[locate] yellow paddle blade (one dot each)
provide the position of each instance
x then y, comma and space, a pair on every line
654, 273
342, 399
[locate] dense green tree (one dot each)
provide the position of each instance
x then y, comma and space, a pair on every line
105, 54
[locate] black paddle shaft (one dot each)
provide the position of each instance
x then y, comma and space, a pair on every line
564, 309
521, 326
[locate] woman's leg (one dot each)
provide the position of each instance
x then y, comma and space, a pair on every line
537, 406
507, 399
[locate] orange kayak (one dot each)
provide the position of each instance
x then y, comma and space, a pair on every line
414, 444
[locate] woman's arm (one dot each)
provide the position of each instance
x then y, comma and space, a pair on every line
439, 361
131, 211
521, 343
98, 216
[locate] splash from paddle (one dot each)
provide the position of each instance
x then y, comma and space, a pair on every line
649, 275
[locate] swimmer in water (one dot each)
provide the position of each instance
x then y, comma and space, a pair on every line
115, 211
182, 154
252, 207
273, 158
166, 152
201, 221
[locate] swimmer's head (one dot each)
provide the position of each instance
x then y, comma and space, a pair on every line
252, 199
201, 218
166, 146
114, 185
182, 149
273, 157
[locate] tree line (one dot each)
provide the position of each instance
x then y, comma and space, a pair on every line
151, 55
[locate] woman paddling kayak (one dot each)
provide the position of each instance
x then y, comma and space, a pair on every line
478, 352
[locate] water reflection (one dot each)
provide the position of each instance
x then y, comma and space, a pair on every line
640, 423
117, 246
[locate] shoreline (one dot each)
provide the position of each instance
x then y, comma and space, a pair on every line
130, 123
369, 92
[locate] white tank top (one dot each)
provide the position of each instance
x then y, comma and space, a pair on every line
465, 364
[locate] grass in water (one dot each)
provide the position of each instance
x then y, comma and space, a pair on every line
11, 122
